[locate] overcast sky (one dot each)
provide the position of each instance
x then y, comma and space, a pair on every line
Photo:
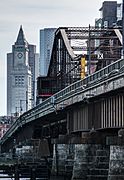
34, 15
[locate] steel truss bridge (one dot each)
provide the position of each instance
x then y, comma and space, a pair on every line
96, 101
68, 110
100, 45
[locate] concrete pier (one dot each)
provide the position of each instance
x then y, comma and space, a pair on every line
116, 163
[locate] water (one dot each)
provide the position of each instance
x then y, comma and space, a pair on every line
52, 178
6, 178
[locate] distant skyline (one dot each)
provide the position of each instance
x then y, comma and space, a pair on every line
34, 15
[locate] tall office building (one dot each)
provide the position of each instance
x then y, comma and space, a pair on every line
46, 44
33, 58
119, 13
109, 13
22, 71
110, 49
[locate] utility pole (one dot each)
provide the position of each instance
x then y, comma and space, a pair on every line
89, 50
26, 100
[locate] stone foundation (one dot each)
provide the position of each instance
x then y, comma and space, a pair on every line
63, 157
90, 159
116, 164
91, 162
81, 161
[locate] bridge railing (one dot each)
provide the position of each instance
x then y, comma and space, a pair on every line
97, 77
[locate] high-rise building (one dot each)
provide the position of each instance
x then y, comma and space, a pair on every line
109, 50
119, 14
109, 13
46, 44
22, 71
34, 65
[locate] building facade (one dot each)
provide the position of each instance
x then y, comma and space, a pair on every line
111, 14
22, 71
34, 65
46, 43
5, 124
111, 18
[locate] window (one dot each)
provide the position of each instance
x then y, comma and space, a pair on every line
19, 80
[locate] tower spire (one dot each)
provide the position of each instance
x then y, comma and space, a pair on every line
21, 38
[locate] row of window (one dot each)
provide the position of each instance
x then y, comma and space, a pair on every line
19, 80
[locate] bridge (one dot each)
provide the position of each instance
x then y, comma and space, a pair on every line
86, 115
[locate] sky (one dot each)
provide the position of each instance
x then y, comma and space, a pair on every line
34, 15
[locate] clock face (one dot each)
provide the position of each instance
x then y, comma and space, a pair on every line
20, 55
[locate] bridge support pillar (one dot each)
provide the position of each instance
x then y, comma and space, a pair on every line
33, 174
63, 155
116, 164
81, 161
16, 173
89, 160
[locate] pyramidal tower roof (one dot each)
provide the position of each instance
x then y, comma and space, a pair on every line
21, 38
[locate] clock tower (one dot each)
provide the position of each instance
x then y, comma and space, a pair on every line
19, 77
22, 73
21, 50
